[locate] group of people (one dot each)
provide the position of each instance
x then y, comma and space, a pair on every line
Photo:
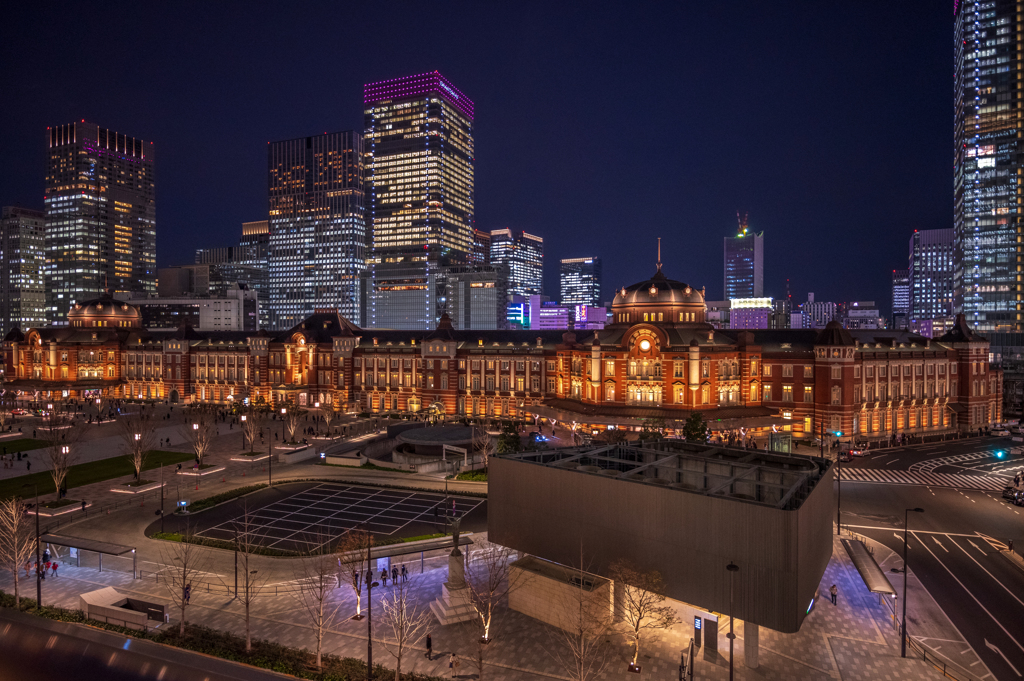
454, 663
395, 575
47, 565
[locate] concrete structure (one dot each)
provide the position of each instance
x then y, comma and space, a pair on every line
545, 590
22, 268
931, 274
237, 310
477, 296
860, 314
684, 509
109, 606
100, 215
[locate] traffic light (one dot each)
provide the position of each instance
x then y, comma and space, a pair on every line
999, 455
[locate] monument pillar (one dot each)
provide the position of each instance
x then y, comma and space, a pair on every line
455, 603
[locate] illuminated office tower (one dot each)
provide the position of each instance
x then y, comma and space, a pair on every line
481, 254
900, 298
580, 281
318, 237
744, 263
988, 201
22, 265
524, 255
420, 184
255, 243
931, 274
100, 216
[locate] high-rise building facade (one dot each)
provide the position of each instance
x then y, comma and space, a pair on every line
987, 154
420, 193
255, 242
744, 264
317, 227
481, 254
931, 274
524, 255
900, 298
580, 281
100, 216
477, 296
22, 267
816, 314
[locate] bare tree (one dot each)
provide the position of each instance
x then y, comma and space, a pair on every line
61, 433
137, 433
316, 579
247, 543
5, 416
328, 413
255, 419
582, 624
199, 430
185, 561
640, 599
291, 418
16, 540
404, 621
353, 563
483, 444
490, 581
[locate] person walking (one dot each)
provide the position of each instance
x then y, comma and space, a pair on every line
394, 574
54, 566
384, 576
405, 573
453, 664
188, 593
834, 592
430, 647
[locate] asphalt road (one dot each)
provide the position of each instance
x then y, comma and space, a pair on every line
904, 458
953, 550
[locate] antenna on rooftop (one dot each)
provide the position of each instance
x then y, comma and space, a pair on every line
659, 254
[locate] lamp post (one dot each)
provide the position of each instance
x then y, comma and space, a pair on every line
369, 616
243, 431
39, 579
733, 569
903, 623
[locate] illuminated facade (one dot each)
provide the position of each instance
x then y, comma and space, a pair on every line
317, 227
744, 264
900, 298
658, 359
931, 274
420, 185
750, 313
580, 281
988, 47
100, 215
22, 267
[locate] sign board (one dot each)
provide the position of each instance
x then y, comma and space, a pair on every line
384, 564
456, 450
696, 630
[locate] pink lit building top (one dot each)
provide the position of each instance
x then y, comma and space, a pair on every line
413, 86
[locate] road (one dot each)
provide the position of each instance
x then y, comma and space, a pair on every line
953, 551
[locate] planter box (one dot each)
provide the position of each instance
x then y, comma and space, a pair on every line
201, 472
63, 510
298, 455
254, 457
141, 489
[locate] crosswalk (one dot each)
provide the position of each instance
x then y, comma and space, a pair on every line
988, 483
958, 459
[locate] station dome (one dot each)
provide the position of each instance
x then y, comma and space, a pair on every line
105, 311
659, 299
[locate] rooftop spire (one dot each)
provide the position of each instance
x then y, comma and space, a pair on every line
659, 254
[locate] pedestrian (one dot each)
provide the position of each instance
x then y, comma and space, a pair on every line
46, 555
369, 578
833, 591
394, 574
54, 566
430, 647
28, 465
454, 663
83, 504
405, 573
28, 569
384, 576
188, 593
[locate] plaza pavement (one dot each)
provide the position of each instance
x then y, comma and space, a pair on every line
853, 641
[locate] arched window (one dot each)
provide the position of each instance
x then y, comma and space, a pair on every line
835, 394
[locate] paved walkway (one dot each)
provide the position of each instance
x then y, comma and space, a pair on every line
852, 641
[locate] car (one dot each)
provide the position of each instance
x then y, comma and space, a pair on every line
537, 437
18, 412
1010, 492
1001, 433
857, 452
845, 456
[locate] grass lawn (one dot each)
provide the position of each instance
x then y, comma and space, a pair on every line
88, 473
21, 445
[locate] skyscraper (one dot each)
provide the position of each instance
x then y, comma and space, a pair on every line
318, 235
22, 265
100, 215
524, 255
900, 298
481, 254
987, 154
420, 186
744, 263
255, 242
580, 281
931, 274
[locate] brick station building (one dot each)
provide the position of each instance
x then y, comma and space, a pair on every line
657, 359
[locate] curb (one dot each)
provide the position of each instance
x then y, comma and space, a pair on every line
1014, 558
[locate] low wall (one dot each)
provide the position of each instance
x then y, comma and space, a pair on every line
109, 606
544, 592
296, 455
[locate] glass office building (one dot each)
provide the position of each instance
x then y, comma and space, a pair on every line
22, 265
744, 264
900, 298
987, 163
318, 236
420, 193
580, 281
100, 216
524, 255
931, 274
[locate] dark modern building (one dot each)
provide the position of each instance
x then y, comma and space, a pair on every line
481, 254
420, 193
317, 227
744, 264
255, 243
988, 46
100, 215
523, 253
22, 268
580, 281
931, 274
900, 298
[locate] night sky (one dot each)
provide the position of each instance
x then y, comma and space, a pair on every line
599, 127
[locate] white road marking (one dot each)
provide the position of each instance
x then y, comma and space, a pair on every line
936, 540
976, 546
1015, 597
1001, 654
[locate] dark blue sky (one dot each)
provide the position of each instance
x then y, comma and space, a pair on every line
599, 126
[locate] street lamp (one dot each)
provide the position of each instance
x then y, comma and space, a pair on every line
39, 577
733, 569
243, 431
903, 624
